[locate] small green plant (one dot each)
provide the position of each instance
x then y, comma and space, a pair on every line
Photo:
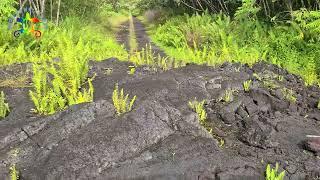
268, 83
318, 105
132, 70
227, 96
289, 95
121, 102
4, 107
108, 71
247, 85
272, 174
198, 107
257, 76
14, 174
280, 78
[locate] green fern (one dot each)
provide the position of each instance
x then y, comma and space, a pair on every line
308, 20
14, 174
4, 107
272, 174
247, 10
246, 85
64, 88
121, 102
198, 107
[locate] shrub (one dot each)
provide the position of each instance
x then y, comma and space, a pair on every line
55, 88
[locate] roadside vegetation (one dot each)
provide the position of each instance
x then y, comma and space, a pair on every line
249, 33
60, 57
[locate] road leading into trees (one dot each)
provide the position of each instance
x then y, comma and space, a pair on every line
142, 38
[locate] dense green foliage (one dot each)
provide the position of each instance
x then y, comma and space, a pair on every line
214, 39
270, 9
60, 57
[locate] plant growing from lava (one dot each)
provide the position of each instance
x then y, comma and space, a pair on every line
4, 107
121, 102
289, 95
132, 70
227, 97
14, 174
198, 107
318, 105
247, 85
272, 174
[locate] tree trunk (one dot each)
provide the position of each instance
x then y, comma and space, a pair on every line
58, 13
35, 7
51, 11
43, 8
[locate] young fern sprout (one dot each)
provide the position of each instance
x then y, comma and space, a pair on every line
132, 70
247, 85
4, 107
272, 174
198, 107
289, 95
227, 97
14, 174
121, 102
